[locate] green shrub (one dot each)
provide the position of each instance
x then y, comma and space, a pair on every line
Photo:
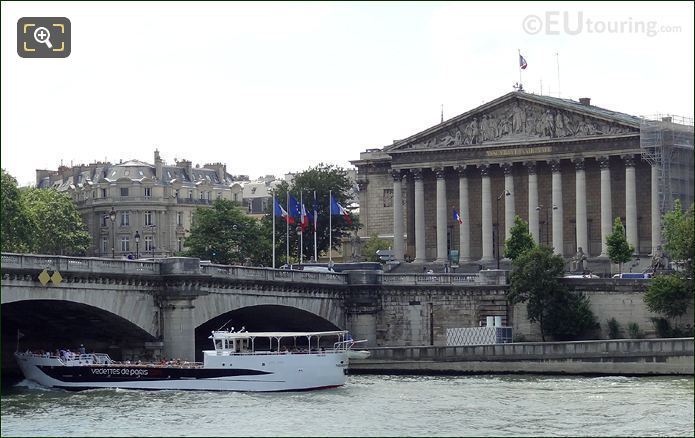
634, 331
614, 329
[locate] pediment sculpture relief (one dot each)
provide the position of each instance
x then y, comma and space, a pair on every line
521, 121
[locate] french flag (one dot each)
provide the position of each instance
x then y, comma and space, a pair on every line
339, 210
281, 212
457, 216
305, 218
522, 62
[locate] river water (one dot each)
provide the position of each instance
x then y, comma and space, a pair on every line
369, 406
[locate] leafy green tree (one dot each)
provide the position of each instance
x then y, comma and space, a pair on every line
320, 179
669, 295
535, 280
679, 233
224, 234
15, 234
520, 240
373, 245
56, 225
619, 251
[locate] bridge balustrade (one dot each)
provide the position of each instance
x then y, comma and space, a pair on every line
78, 264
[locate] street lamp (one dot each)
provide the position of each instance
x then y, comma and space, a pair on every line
299, 243
497, 225
137, 244
112, 216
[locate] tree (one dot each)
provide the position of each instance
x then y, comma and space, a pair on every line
373, 245
224, 234
15, 233
619, 251
669, 295
679, 234
535, 280
56, 225
520, 240
320, 179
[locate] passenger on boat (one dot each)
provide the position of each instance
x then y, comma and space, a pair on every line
82, 349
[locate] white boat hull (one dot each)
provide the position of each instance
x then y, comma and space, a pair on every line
252, 372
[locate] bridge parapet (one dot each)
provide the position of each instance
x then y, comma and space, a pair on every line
78, 264
272, 275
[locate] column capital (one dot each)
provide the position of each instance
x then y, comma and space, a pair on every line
484, 169
397, 175
461, 170
507, 167
439, 172
629, 160
531, 167
554, 165
603, 162
417, 174
578, 163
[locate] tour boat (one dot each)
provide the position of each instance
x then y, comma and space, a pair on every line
241, 361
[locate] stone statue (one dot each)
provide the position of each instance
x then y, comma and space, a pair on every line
518, 119
659, 260
578, 261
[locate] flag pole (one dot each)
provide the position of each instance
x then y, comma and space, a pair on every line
519, 50
287, 228
273, 213
301, 236
316, 258
330, 227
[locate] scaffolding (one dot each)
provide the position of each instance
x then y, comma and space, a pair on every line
667, 144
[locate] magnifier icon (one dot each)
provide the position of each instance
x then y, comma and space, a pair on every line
43, 36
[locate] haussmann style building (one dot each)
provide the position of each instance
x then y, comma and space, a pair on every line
568, 168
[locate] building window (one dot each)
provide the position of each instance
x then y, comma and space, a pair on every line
124, 191
103, 193
104, 245
236, 197
179, 218
149, 243
219, 195
202, 195
388, 197
125, 218
176, 194
125, 243
179, 244
190, 194
104, 219
148, 192
94, 194
148, 218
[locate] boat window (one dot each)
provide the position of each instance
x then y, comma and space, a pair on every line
218, 344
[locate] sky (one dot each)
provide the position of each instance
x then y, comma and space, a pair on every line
272, 88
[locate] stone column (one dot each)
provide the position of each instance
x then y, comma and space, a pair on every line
580, 206
465, 227
178, 331
486, 213
420, 256
631, 202
398, 251
606, 207
656, 211
558, 242
441, 216
533, 201
509, 210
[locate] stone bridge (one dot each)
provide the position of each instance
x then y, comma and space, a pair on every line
168, 307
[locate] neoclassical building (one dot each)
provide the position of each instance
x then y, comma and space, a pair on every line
568, 168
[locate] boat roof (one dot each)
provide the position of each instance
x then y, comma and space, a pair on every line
246, 335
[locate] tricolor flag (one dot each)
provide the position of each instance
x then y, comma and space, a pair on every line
281, 212
305, 218
339, 210
457, 216
522, 62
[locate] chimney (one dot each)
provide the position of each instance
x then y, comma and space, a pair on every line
586, 101
157, 166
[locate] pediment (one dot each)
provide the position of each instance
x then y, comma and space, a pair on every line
518, 118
